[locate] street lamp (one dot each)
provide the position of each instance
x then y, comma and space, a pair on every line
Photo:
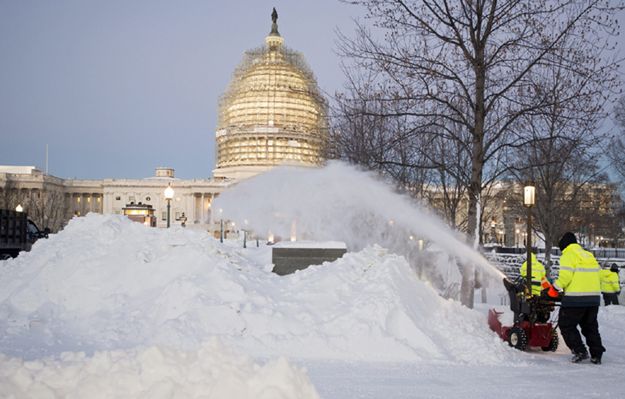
19, 208
529, 200
221, 224
169, 194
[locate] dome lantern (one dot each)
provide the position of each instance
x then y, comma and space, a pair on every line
274, 40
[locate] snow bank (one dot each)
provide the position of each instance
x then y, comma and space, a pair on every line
105, 283
211, 371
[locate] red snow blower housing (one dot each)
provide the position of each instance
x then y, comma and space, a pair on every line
531, 319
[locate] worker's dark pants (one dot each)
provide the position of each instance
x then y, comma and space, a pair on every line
610, 299
586, 318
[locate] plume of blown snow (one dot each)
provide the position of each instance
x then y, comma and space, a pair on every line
339, 202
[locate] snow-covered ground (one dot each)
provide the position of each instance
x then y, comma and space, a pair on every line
109, 308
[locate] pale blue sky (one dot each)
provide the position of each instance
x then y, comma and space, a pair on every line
117, 88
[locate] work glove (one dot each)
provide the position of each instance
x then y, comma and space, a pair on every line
545, 284
552, 292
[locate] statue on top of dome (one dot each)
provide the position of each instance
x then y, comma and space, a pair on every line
274, 25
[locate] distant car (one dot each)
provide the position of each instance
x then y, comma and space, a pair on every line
17, 233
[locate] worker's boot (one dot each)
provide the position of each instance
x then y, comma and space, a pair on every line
595, 359
579, 356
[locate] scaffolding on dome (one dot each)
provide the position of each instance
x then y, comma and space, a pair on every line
272, 112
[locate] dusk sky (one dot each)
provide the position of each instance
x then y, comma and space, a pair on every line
117, 88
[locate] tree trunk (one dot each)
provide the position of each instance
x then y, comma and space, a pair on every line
467, 286
548, 245
475, 185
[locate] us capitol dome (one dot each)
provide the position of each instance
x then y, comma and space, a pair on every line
271, 114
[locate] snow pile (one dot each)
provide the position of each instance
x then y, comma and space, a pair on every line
211, 371
106, 283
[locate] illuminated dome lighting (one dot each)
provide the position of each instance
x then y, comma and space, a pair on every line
271, 114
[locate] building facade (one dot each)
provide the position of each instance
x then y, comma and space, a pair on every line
51, 201
595, 215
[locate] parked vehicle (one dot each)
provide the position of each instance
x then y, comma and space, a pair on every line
17, 233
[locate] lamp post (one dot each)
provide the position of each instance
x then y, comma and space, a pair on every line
169, 194
529, 200
19, 208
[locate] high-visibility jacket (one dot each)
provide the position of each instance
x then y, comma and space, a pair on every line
609, 281
578, 278
538, 272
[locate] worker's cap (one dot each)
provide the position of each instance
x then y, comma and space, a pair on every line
567, 239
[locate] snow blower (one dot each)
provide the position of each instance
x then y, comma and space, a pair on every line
532, 326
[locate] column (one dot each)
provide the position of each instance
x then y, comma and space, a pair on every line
209, 209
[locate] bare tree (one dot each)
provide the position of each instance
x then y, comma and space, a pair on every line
469, 63
449, 162
46, 208
615, 151
466, 61
363, 135
8, 195
565, 149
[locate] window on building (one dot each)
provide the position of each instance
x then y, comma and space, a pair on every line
148, 199
164, 216
118, 198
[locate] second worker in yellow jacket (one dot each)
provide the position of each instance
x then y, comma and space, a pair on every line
610, 285
538, 272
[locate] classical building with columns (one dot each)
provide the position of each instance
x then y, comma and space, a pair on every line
51, 201
271, 114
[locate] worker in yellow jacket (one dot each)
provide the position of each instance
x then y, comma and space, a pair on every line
580, 286
610, 285
538, 272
